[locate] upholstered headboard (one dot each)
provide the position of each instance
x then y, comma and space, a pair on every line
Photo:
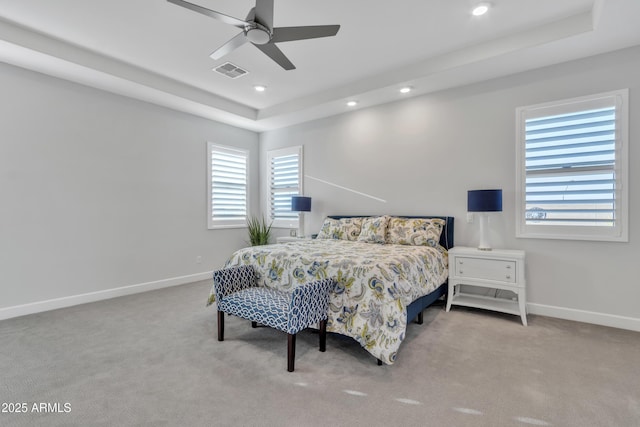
446, 238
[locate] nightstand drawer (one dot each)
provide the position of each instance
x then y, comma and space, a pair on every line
489, 269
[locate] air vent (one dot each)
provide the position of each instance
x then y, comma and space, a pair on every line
230, 70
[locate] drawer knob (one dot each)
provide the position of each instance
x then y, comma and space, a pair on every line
461, 272
508, 267
508, 276
460, 262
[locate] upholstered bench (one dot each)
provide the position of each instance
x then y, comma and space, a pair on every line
238, 293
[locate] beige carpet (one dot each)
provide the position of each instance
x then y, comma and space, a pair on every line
153, 360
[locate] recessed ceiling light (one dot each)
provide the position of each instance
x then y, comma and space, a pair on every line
405, 89
480, 9
352, 103
260, 88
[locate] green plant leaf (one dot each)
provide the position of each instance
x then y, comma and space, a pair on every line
259, 231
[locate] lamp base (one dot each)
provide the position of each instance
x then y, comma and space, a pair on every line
484, 244
301, 225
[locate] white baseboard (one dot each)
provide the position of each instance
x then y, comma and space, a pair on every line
612, 320
53, 304
595, 318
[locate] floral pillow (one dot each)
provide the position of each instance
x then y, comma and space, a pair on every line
340, 229
374, 229
415, 231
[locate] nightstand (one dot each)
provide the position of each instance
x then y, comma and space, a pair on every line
495, 269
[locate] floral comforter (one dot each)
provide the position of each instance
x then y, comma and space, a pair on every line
375, 283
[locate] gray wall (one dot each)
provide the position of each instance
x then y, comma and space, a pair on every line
421, 155
99, 191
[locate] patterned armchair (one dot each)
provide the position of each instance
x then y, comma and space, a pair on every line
237, 293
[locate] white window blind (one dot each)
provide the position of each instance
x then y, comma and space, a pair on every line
285, 180
572, 175
228, 178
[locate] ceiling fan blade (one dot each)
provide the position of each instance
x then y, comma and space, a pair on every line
229, 46
211, 13
264, 13
273, 52
251, 16
287, 34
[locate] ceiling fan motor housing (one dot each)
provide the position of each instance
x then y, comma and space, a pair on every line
257, 34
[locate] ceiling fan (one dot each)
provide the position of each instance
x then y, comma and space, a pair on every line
257, 29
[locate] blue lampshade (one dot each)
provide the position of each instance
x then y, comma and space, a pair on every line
484, 201
300, 204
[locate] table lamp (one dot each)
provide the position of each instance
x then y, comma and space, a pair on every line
300, 204
484, 201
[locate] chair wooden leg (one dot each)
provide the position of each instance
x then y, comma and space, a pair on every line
420, 319
379, 362
220, 326
291, 351
254, 324
323, 335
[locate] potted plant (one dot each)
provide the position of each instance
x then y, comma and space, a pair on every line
259, 231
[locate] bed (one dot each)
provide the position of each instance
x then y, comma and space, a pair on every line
388, 269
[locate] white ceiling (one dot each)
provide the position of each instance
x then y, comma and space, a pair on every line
158, 52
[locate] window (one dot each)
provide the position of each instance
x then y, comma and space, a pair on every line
227, 186
572, 168
284, 180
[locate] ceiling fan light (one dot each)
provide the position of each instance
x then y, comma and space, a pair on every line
405, 89
480, 9
260, 88
258, 35
352, 103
